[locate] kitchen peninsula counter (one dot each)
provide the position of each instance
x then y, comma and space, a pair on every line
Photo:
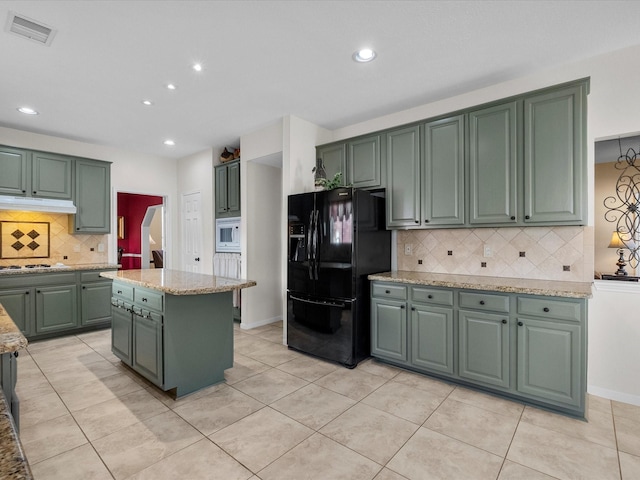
174, 328
176, 282
489, 284
13, 463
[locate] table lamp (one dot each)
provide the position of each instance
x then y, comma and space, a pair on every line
618, 242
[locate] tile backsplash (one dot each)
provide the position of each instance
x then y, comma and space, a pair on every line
77, 248
546, 253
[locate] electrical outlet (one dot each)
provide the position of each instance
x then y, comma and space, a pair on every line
101, 247
408, 249
487, 251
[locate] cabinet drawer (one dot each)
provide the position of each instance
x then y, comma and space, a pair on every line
484, 301
148, 299
432, 295
396, 292
547, 308
122, 291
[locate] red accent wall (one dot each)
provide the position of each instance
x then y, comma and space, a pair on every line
133, 207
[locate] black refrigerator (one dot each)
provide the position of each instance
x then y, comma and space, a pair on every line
336, 238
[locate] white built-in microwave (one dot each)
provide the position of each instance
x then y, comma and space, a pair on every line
228, 234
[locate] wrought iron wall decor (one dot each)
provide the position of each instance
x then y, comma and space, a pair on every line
623, 209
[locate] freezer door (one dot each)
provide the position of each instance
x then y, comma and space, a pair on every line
321, 327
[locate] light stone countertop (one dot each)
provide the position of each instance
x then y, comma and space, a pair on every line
176, 282
493, 284
11, 338
13, 462
59, 269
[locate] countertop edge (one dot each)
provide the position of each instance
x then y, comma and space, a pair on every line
11, 338
183, 291
396, 277
67, 268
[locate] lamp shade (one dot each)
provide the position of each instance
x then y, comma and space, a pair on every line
621, 240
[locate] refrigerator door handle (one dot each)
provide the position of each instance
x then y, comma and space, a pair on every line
313, 302
309, 242
316, 241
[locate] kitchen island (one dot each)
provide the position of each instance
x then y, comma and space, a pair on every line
174, 328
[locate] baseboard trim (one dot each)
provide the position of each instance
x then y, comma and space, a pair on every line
614, 395
259, 323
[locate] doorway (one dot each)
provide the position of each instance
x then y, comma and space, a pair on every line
134, 229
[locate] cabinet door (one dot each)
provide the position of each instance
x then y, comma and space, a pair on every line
389, 330
51, 175
432, 338
56, 308
93, 187
14, 171
17, 303
147, 346
233, 189
121, 332
221, 190
549, 359
493, 163
333, 158
403, 177
443, 172
364, 166
95, 306
483, 344
554, 156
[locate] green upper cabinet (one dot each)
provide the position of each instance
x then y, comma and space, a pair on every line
443, 172
554, 152
403, 177
334, 159
51, 176
228, 189
15, 168
35, 174
493, 164
364, 162
93, 187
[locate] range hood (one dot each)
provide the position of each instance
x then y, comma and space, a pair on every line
30, 204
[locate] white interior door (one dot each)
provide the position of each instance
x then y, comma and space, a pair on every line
191, 232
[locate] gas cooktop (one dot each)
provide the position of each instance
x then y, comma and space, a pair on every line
32, 266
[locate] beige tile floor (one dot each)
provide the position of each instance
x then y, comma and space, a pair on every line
283, 415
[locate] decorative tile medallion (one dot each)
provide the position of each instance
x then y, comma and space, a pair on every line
24, 239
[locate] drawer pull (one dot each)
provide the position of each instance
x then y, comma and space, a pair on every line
387, 291
481, 302
513, 218
429, 296
144, 299
504, 321
120, 291
413, 309
545, 309
520, 324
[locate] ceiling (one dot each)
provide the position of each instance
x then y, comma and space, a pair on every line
266, 59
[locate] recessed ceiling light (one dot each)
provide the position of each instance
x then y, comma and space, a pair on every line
148, 103
364, 55
197, 67
27, 111
169, 143
171, 86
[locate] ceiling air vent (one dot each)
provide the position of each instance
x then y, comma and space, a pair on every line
25, 27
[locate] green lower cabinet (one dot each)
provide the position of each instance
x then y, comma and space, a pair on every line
17, 304
56, 308
483, 345
95, 301
549, 360
432, 338
147, 353
121, 331
389, 330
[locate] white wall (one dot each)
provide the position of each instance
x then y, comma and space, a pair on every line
131, 172
195, 174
